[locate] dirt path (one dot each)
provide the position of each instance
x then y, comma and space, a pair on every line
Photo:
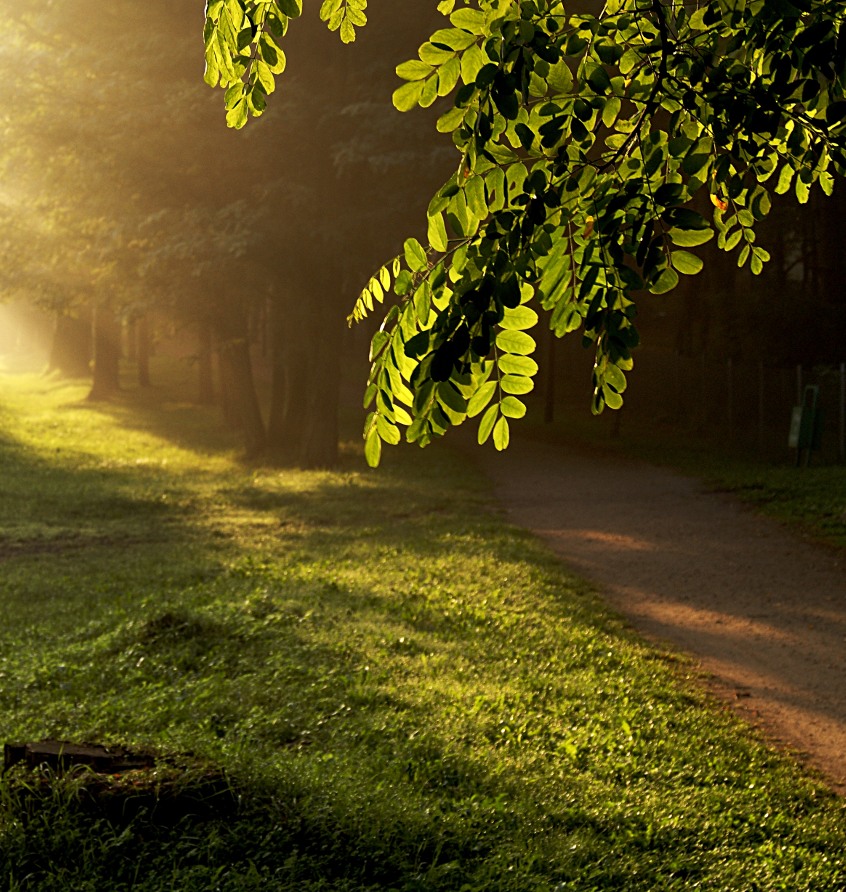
762, 612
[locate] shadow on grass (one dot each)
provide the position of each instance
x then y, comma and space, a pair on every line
403, 696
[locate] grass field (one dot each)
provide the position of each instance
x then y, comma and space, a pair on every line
401, 691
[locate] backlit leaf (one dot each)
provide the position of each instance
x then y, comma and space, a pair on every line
373, 447
486, 425
519, 319
668, 280
501, 434
516, 384
515, 342
686, 263
481, 398
511, 407
690, 238
408, 95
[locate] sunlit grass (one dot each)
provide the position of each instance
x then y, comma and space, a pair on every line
407, 693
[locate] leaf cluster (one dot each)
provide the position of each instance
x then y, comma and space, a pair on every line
594, 151
242, 52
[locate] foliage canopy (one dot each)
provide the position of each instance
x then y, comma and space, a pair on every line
595, 150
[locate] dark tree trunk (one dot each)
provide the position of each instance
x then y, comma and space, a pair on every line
132, 339
241, 409
142, 350
70, 352
106, 379
204, 363
303, 427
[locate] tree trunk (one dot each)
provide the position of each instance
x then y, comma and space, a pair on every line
303, 427
70, 351
204, 363
106, 382
240, 404
132, 339
142, 350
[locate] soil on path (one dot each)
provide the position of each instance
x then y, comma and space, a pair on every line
762, 612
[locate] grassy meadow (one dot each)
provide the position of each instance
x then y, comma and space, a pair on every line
400, 691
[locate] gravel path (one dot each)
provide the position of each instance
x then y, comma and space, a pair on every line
762, 612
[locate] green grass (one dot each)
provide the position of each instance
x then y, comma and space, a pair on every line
404, 692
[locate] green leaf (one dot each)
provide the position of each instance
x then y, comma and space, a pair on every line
291, 8
486, 425
517, 365
519, 319
614, 377
473, 59
785, 178
434, 55
236, 117
515, 342
347, 31
387, 431
448, 76
415, 255
453, 38
610, 111
437, 234
612, 399
516, 384
264, 76
414, 70
597, 76
408, 95
686, 263
560, 78
453, 119
668, 280
377, 345
449, 396
474, 190
501, 435
481, 398
430, 91
423, 302
690, 238
511, 407
472, 20
373, 447
759, 257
